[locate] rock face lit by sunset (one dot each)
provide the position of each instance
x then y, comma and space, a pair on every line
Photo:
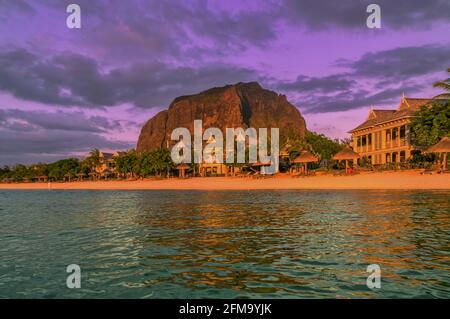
64, 91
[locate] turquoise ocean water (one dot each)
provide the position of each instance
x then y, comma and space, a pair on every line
224, 244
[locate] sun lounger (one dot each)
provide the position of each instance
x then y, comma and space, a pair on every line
428, 171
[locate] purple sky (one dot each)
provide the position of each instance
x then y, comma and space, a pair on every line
64, 91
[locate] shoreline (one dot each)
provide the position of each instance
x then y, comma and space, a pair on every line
399, 180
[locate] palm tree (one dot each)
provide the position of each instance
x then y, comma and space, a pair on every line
93, 160
444, 85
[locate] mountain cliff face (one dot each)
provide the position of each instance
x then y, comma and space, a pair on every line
239, 105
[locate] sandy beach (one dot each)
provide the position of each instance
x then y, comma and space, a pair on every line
385, 180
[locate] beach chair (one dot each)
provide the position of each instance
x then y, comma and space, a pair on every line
257, 175
430, 171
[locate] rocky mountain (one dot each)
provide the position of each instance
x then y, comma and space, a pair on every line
239, 105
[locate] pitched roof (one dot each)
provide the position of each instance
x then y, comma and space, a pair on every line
443, 146
107, 156
347, 153
305, 157
406, 108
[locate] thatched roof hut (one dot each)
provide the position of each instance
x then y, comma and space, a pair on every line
259, 164
106, 171
443, 146
93, 175
182, 168
305, 157
346, 153
80, 176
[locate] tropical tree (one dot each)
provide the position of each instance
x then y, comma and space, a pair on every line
59, 169
445, 84
162, 161
295, 146
322, 146
155, 162
21, 172
146, 164
127, 164
431, 123
93, 160
40, 169
5, 172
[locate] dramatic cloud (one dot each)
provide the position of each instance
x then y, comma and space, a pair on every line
400, 63
136, 56
18, 6
29, 136
352, 99
70, 121
376, 78
322, 15
76, 80
41, 145
163, 30
326, 84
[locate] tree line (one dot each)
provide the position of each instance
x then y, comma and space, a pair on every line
127, 165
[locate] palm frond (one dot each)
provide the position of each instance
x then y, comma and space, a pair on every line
442, 96
444, 85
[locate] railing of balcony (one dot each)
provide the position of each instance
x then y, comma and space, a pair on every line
395, 142
403, 142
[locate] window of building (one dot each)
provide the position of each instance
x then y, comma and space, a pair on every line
402, 131
402, 156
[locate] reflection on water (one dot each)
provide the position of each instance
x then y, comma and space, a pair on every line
192, 244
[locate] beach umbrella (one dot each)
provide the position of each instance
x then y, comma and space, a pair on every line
259, 164
443, 146
93, 175
182, 169
304, 158
106, 172
346, 154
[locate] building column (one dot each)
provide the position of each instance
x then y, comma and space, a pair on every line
407, 155
383, 146
407, 134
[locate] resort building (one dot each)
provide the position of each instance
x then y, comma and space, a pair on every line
107, 161
212, 169
385, 135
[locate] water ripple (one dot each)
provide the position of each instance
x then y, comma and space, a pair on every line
246, 244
